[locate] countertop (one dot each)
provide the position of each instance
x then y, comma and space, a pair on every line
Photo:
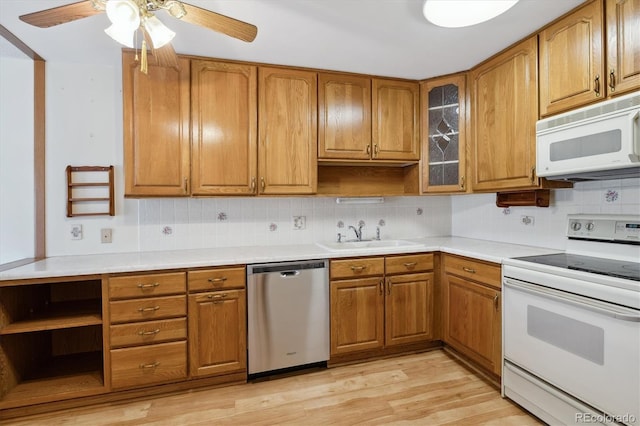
60, 266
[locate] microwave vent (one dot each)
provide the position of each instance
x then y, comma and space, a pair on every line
599, 109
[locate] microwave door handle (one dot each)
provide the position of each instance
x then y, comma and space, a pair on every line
635, 137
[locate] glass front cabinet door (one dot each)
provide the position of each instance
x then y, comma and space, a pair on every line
443, 134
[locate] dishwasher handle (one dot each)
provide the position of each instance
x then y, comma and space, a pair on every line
289, 274
286, 269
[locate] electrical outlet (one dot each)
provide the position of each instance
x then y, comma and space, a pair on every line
527, 220
299, 222
105, 235
76, 232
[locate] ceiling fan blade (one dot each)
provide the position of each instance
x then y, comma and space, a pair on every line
62, 14
164, 56
220, 23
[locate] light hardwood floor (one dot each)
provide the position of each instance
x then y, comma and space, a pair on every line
430, 388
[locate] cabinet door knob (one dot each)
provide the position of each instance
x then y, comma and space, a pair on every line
376, 150
596, 85
495, 301
612, 80
253, 184
533, 175
389, 286
381, 287
369, 149
461, 182
263, 184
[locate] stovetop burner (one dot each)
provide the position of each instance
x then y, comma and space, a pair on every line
596, 265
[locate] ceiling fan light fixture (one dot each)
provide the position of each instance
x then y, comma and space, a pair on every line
158, 32
175, 8
123, 13
463, 13
122, 35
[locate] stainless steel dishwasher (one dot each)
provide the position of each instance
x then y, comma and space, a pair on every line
288, 315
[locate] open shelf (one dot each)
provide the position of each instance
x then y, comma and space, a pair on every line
58, 316
363, 181
62, 377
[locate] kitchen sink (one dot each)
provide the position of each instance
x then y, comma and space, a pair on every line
366, 244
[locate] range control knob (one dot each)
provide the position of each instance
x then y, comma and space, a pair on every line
576, 226
590, 226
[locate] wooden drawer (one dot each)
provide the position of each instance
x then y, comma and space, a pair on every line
147, 365
358, 267
216, 279
152, 308
147, 285
408, 263
148, 332
476, 270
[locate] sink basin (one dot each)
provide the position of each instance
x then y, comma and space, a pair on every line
371, 244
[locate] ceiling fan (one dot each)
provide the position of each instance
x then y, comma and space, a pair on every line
129, 16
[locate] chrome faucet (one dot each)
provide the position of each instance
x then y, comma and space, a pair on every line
358, 231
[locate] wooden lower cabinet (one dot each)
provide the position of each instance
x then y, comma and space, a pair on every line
408, 309
472, 311
147, 365
357, 315
381, 311
217, 332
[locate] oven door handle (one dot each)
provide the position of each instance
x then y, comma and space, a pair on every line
617, 312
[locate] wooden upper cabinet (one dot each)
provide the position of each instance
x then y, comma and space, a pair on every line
344, 115
156, 129
224, 119
443, 108
504, 112
287, 150
571, 60
623, 45
396, 131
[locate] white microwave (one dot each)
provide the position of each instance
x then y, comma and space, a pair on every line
600, 141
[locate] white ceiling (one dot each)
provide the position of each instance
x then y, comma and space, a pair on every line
380, 37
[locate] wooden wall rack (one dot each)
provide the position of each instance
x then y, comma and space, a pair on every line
74, 185
536, 197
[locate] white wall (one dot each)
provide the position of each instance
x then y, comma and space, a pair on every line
476, 216
84, 128
219, 222
16, 160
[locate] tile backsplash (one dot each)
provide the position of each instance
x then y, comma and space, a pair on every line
183, 223
476, 215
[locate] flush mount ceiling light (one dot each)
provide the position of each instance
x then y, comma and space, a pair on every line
463, 13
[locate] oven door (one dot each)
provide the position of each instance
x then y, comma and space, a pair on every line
587, 348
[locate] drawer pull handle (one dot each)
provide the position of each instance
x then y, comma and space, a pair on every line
148, 333
410, 265
358, 268
217, 280
146, 286
217, 296
149, 309
469, 270
147, 366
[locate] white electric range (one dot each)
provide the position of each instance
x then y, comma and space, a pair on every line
571, 325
